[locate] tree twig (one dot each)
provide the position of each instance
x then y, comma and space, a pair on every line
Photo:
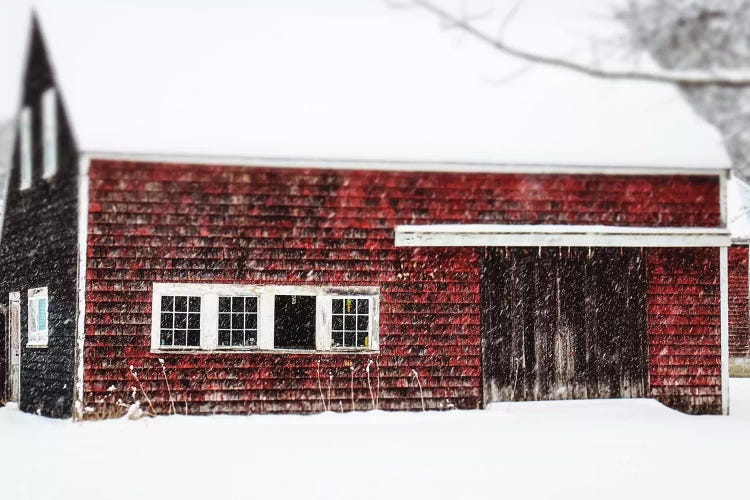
723, 78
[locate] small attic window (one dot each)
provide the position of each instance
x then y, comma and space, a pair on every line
49, 132
24, 124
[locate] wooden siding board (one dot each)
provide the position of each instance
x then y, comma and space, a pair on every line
164, 222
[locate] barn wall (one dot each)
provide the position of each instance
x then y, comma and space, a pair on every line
159, 222
684, 328
739, 329
39, 248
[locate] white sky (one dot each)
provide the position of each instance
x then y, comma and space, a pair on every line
13, 31
346, 79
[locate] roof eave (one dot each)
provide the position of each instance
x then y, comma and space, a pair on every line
436, 165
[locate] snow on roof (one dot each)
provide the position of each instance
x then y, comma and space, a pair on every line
738, 208
346, 80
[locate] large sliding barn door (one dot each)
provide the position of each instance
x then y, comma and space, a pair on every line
563, 323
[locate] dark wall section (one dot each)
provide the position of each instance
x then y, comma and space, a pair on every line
39, 248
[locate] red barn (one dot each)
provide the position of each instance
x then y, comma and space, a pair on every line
297, 214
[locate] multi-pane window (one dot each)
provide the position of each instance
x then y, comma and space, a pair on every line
49, 132
37, 317
238, 321
180, 321
350, 322
192, 317
26, 152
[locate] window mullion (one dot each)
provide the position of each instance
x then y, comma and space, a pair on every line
323, 323
210, 321
156, 321
266, 307
374, 330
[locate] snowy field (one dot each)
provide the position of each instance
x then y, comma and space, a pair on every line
577, 450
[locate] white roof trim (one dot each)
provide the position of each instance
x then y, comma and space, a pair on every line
500, 235
388, 165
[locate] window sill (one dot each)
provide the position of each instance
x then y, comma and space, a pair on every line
263, 351
36, 345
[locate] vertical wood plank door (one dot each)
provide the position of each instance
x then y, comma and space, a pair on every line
563, 323
14, 331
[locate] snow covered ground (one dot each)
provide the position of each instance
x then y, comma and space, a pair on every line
739, 397
578, 450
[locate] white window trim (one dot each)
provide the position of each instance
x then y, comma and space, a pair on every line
26, 158
266, 294
49, 132
41, 337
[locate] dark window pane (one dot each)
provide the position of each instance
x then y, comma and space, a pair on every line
361, 339
337, 338
195, 304
363, 306
338, 323
349, 339
167, 303
238, 321
180, 337
194, 338
251, 321
166, 338
180, 303
237, 339
349, 306
338, 306
350, 323
180, 320
166, 320
225, 321
194, 321
363, 323
238, 304
224, 337
251, 304
294, 322
225, 304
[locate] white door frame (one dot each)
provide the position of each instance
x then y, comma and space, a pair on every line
14, 349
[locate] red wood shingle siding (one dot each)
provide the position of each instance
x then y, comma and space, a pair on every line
171, 223
684, 328
739, 329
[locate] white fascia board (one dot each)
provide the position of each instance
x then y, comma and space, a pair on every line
495, 235
83, 212
403, 166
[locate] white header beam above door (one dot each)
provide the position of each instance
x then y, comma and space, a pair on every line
541, 235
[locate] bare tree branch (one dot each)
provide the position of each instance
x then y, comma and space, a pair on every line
722, 78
